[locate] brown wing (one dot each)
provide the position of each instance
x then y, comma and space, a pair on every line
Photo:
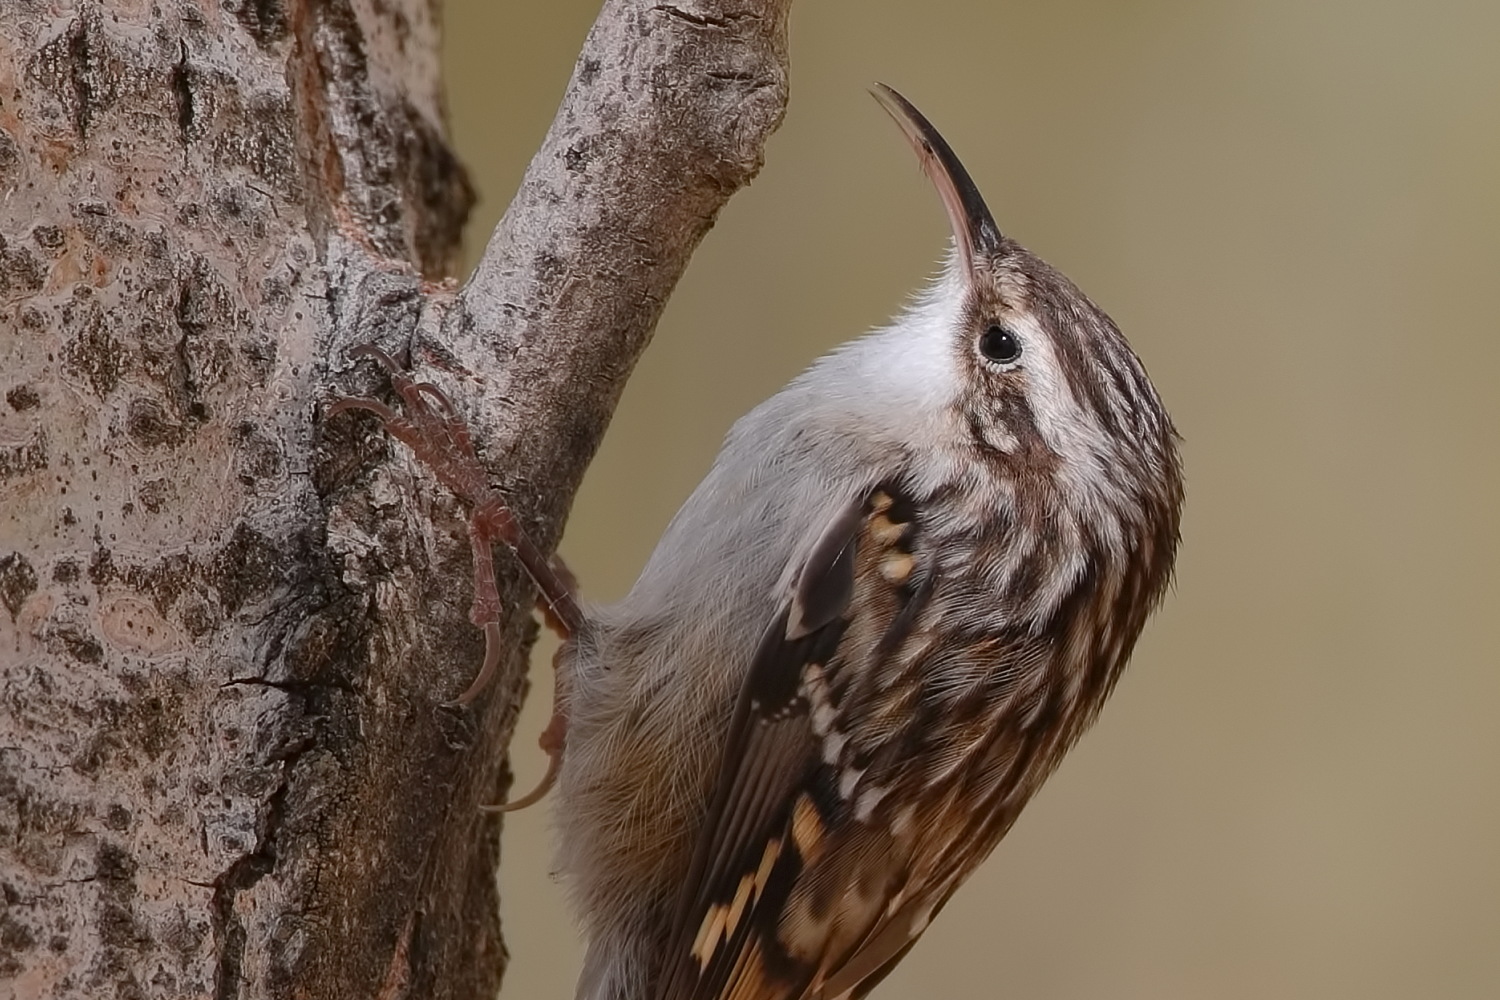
806, 879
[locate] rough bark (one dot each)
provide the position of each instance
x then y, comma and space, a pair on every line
227, 624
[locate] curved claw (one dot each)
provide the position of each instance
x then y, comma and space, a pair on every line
486, 672
371, 351
437, 395
531, 798
554, 741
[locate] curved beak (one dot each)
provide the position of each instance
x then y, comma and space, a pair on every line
974, 229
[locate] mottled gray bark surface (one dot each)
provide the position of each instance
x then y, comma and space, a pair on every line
228, 624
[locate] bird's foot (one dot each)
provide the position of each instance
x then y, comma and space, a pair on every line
440, 440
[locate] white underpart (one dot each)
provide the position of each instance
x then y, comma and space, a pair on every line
900, 381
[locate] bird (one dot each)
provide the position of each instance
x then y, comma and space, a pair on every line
905, 588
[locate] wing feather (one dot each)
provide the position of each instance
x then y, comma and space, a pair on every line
806, 880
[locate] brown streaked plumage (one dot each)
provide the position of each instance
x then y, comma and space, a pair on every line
905, 589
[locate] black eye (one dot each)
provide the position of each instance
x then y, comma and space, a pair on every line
999, 345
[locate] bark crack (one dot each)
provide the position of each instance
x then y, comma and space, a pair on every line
78, 76
229, 930
289, 687
182, 95
701, 20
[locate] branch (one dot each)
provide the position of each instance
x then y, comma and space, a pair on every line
665, 117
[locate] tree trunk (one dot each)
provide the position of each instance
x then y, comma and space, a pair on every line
228, 624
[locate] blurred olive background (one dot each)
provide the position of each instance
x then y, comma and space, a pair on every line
1293, 210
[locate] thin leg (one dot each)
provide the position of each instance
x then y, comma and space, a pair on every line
556, 590
490, 522
440, 440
